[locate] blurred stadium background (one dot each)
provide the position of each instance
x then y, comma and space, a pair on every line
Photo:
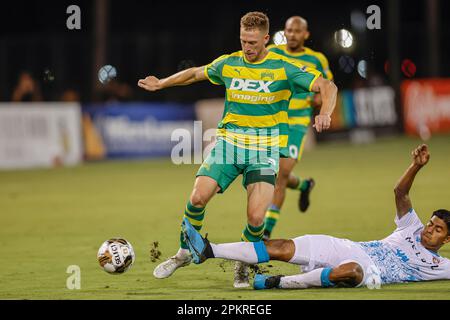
64, 127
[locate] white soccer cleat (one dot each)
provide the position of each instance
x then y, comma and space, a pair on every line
241, 275
168, 267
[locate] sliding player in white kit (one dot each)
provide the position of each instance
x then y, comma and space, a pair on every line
410, 253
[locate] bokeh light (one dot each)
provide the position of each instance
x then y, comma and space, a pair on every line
358, 20
279, 38
48, 75
344, 38
362, 68
408, 68
347, 64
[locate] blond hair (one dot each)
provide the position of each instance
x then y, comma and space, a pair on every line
255, 20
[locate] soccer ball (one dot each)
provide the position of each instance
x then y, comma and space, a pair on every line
116, 256
106, 74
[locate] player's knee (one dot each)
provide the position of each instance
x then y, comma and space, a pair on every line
357, 273
354, 274
279, 249
256, 220
286, 248
198, 199
349, 274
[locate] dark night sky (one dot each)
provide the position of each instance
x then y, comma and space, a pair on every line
157, 36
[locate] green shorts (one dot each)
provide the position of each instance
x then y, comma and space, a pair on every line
226, 162
296, 141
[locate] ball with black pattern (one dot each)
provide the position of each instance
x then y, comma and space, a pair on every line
116, 256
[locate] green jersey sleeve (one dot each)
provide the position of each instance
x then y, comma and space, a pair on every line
213, 71
301, 77
324, 66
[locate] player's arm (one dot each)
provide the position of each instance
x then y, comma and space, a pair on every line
317, 100
403, 202
182, 78
323, 67
328, 92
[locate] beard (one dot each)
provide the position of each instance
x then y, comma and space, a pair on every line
295, 45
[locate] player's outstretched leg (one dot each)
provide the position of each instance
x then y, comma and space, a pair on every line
247, 252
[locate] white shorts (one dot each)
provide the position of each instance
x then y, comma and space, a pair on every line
321, 251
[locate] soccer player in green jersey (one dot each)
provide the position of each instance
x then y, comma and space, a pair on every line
300, 112
252, 132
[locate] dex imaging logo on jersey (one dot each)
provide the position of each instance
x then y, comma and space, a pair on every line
250, 85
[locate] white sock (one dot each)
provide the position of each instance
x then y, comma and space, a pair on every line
240, 251
302, 281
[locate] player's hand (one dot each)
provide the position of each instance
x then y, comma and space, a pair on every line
421, 155
322, 122
150, 83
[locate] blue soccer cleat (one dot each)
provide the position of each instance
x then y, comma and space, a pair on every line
266, 282
259, 282
199, 247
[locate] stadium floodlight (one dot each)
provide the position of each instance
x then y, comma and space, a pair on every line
344, 38
279, 38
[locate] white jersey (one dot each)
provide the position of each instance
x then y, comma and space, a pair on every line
401, 257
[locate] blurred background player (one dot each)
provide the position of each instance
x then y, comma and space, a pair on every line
409, 254
27, 89
252, 132
300, 112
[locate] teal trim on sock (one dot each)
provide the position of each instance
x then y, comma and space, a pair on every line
261, 251
325, 278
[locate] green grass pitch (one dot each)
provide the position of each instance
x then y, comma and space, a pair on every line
51, 219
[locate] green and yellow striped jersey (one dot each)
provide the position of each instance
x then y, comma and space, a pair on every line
257, 97
300, 106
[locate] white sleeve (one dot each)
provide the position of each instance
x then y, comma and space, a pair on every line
448, 270
408, 220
